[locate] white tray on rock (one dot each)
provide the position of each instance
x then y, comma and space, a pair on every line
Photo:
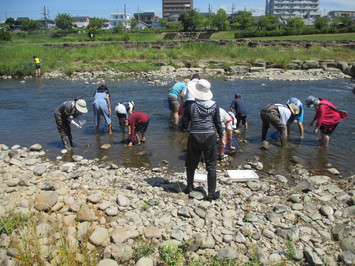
243, 175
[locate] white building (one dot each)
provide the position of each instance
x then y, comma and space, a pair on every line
81, 22
285, 9
119, 18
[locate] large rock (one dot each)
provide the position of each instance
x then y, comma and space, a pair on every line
46, 200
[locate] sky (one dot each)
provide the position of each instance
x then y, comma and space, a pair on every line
102, 9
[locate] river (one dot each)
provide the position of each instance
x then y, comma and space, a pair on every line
26, 115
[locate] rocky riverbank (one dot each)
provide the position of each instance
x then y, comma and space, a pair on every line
297, 70
300, 218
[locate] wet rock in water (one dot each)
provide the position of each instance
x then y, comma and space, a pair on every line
36, 147
264, 145
106, 146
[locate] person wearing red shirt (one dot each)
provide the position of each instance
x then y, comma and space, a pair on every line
327, 117
137, 125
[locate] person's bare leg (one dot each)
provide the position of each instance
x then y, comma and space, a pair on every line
325, 139
97, 130
110, 129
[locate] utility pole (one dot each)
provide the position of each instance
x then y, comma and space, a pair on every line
125, 16
233, 9
209, 10
45, 18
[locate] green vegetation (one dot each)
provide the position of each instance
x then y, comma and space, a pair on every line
27, 233
76, 51
14, 58
171, 255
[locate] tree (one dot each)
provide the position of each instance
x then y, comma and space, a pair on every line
164, 22
345, 21
30, 25
219, 20
118, 28
175, 25
320, 23
95, 23
269, 22
64, 21
190, 20
10, 22
295, 23
133, 22
243, 20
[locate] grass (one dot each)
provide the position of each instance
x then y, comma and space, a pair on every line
229, 35
42, 239
97, 56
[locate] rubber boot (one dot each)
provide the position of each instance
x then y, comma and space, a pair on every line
284, 142
66, 143
190, 181
212, 183
263, 133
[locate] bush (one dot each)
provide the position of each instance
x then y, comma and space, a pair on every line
5, 36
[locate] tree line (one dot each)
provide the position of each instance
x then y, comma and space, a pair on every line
242, 22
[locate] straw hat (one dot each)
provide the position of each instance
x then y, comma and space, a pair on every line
80, 105
293, 108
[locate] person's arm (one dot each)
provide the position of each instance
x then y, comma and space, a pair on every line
231, 107
131, 129
217, 123
186, 118
108, 103
182, 96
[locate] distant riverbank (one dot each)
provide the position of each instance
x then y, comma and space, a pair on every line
115, 57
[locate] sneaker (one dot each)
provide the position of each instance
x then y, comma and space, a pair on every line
214, 196
222, 157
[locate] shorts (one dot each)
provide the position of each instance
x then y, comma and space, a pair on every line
173, 104
38, 66
142, 127
328, 131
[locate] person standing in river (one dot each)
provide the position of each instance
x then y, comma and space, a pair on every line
297, 118
37, 63
239, 107
176, 93
327, 117
137, 125
102, 107
64, 116
278, 116
123, 110
203, 117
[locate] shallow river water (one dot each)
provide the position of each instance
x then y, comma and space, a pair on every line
26, 115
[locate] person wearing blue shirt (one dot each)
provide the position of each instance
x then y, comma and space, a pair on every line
296, 118
174, 94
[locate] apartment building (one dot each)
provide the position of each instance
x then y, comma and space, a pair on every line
285, 9
119, 18
173, 8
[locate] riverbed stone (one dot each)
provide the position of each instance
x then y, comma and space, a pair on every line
45, 200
